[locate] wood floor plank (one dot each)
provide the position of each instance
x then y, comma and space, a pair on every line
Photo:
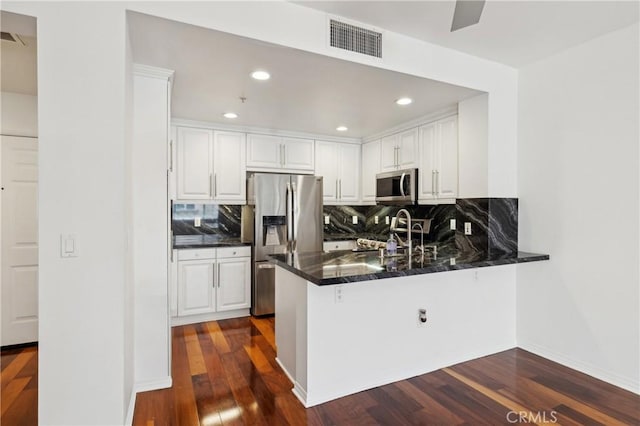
12, 391
195, 358
16, 365
217, 337
266, 329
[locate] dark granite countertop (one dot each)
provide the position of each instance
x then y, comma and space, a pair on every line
205, 241
346, 266
349, 237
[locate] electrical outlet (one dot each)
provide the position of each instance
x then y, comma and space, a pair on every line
467, 228
452, 224
354, 219
452, 261
338, 294
327, 219
386, 220
375, 220
422, 317
197, 222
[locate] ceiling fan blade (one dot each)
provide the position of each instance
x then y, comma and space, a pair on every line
467, 13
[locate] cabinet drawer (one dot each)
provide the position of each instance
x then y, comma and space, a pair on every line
196, 254
226, 252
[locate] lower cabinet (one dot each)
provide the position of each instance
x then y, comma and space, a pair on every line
212, 281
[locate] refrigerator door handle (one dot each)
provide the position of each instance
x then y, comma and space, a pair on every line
293, 216
289, 215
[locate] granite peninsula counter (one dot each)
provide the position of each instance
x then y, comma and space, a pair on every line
349, 321
340, 267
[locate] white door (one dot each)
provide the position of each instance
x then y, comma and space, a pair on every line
19, 291
196, 287
229, 150
447, 170
326, 166
298, 154
389, 153
426, 176
349, 173
370, 168
195, 167
234, 284
407, 143
264, 152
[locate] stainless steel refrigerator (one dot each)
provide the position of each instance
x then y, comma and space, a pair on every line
284, 215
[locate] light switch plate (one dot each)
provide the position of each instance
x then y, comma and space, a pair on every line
467, 228
452, 224
354, 219
375, 220
197, 222
68, 245
386, 220
327, 219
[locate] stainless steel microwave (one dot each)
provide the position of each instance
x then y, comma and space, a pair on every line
398, 187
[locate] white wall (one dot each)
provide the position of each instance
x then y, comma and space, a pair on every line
19, 114
578, 188
473, 147
81, 117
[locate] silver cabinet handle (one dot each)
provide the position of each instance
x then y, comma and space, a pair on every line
171, 155
215, 185
433, 182
218, 274
437, 182
211, 185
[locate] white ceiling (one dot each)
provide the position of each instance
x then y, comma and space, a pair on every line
18, 62
306, 93
514, 33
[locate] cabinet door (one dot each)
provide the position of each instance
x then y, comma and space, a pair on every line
408, 143
348, 173
195, 168
389, 153
264, 151
327, 167
426, 174
229, 167
370, 168
196, 292
234, 284
447, 155
298, 154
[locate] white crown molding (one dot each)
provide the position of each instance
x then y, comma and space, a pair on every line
261, 130
154, 72
425, 119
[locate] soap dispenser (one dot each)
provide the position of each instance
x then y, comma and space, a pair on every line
392, 245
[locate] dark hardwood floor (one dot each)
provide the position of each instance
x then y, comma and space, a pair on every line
225, 374
19, 386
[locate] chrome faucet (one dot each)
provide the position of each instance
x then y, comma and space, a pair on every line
407, 243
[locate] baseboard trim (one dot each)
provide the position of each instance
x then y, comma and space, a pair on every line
215, 316
286, 372
147, 385
589, 369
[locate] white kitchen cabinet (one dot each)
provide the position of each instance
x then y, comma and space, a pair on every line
196, 287
438, 177
194, 166
370, 168
229, 165
398, 151
339, 166
275, 153
210, 165
212, 283
234, 283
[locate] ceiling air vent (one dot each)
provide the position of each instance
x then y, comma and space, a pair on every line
356, 39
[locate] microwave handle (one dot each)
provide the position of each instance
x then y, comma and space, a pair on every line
402, 185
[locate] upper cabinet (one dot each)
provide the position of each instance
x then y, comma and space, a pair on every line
284, 154
339, 166
370, 168
438, 177
210, 165
399, 150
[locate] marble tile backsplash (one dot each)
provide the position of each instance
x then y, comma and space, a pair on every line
221, 220
494, 225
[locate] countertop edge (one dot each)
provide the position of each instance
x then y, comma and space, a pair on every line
526, 258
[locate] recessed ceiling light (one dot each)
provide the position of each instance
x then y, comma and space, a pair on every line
230, 115
404, 101
342, 128
260, 75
